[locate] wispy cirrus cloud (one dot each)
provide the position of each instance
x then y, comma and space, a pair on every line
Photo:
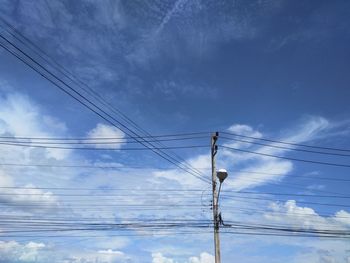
178, 5
265, 169
271, 169
177, 89
159, 180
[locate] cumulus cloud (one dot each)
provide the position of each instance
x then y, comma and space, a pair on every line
323, 252
107, 132
159, 258
111, 252
203, 258
12, 251
343, 217
26, 198
306, 217
164, 179
19, 117
295, 215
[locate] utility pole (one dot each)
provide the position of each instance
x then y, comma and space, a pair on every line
214, 149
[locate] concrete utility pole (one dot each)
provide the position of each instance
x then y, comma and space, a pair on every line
214, 149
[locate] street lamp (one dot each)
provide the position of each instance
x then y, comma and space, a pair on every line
221, 174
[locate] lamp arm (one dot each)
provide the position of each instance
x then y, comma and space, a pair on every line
219, 192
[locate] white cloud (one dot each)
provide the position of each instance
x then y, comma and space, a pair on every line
203, 258
297, 216
343, 217
31, 251
28, 198
291, 213
178, 6
107, 131
243, 129
159, 258
175, 89
101, 251
111, 252
309, 129
13, 251
24, 199
271, 169
325, 252
19, 117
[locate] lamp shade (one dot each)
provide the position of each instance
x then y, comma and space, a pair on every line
221, 174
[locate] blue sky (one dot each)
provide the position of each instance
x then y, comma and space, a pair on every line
265, 69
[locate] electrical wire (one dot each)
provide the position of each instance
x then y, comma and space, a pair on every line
286, 148
286, 143
43, 55
102, 149
286, 158
100, 112
93, 107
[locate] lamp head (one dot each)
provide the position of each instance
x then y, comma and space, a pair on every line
221, 174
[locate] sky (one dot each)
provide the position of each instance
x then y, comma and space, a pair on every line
260, 68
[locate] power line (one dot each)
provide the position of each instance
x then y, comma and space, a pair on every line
286, 143
247, 198
289, 194
294, 176
192, 135
286, 148
285, 185
155, 192
102, 149
83, 166
94, 141
286, 158
276, 184
235, 227
167, 168
105, 189
136, 204
24, 40
263, 212
94, 108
